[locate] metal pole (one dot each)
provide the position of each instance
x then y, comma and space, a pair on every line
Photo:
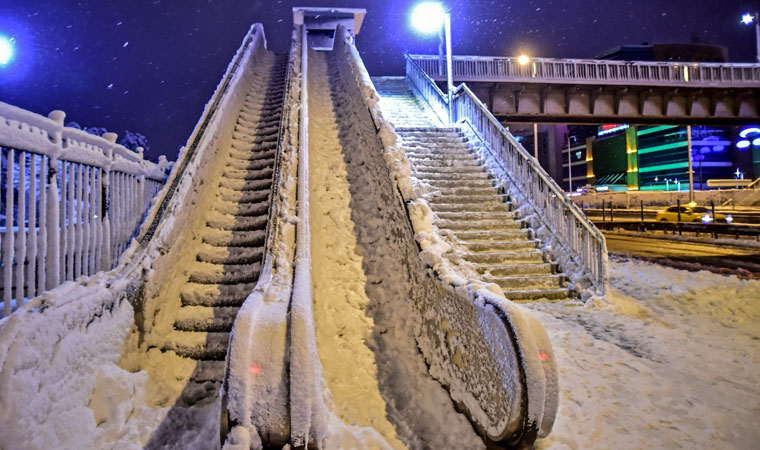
449, 75
569, 166
757, 34
691, 166
535, 141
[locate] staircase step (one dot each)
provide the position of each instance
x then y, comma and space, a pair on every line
201, 346
250, 165
238, 174
532, 282
485, 199
467, 216
207, 273
505, 270
243, 209
496, 207
526, 295
249, 196
501, 246
484, 225
220, 238
239, 184
202, 318
194, 294
516, 257
230, 255
208, 371
239, 223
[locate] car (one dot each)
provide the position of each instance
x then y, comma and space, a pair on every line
691, 213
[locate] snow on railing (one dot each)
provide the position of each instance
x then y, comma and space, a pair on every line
583, 71
71, 202
581, 241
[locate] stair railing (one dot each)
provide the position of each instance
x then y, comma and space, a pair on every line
71, 202
570, 229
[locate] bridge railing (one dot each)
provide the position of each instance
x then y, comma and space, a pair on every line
583, 71
70, 202
583, 243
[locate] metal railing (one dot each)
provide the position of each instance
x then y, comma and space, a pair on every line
429, 91
584, 71
71, 202
581, 240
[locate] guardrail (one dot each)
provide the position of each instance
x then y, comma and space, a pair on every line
71, 201
583, 71
713, 229
582, 241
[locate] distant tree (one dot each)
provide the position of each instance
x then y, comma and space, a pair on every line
129, 139
132, 140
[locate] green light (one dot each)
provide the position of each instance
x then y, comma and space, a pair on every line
663, 167
663, 147
655, 129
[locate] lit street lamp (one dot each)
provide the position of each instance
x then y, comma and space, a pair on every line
428, 18
749, 19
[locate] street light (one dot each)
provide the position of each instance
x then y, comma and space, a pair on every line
430, 17
749, 19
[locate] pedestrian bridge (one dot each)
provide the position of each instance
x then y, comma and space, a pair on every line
583, 91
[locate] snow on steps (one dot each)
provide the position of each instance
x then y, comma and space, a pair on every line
232, 242
501, 238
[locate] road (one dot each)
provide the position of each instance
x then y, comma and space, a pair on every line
721, 258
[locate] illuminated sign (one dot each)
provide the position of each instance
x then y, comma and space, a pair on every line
748, 136
611, 128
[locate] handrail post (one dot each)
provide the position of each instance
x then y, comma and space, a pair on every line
449, 74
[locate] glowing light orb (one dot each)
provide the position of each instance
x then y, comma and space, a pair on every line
523, 59
747, 18
428, 17
6, 50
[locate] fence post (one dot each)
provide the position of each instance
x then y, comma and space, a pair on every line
603, 216
53, 228
105, 186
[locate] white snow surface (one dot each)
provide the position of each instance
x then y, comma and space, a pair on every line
667, 359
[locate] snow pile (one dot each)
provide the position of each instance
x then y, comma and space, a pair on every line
474, 340
667, 359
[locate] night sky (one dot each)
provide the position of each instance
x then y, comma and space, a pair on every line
149, 66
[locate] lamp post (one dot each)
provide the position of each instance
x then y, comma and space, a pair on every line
429, 17
749, 19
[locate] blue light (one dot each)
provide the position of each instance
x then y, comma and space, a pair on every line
747, 19
749, 130
742, 144
6, 50
428, 17
756, 142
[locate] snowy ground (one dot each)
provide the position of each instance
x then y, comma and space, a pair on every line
670, 359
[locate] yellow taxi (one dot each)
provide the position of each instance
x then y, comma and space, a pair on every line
691, 213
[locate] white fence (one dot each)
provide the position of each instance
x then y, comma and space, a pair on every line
583, 243
70, 202
583, 71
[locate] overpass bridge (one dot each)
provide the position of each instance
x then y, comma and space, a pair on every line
603, 91
328, 264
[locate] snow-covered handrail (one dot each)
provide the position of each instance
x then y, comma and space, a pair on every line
72, 201
593, 71
580, 243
